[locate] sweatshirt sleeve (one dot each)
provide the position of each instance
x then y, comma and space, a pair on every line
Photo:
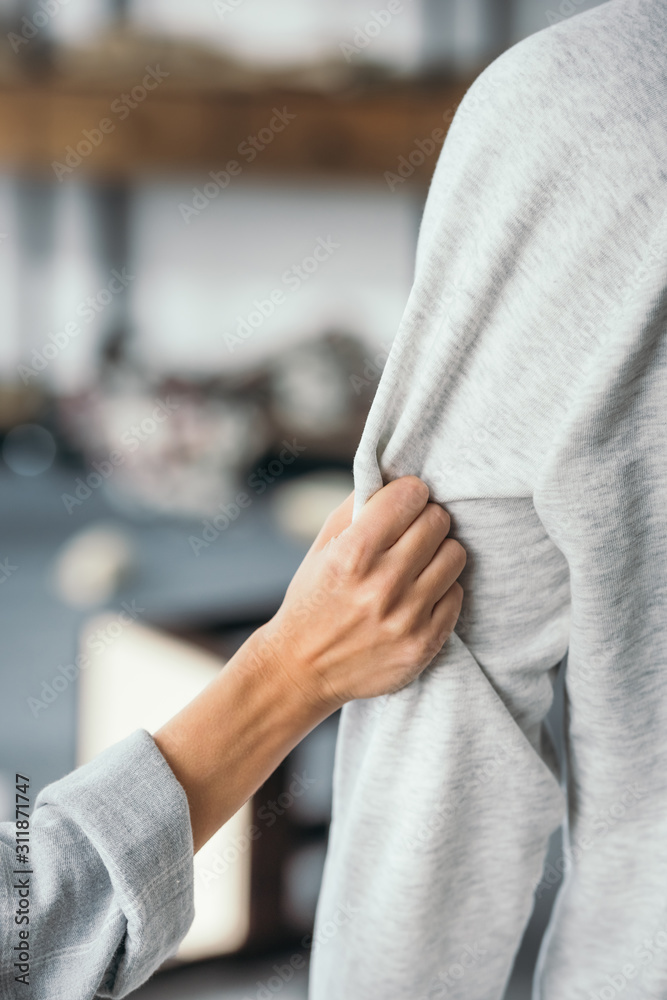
110, 878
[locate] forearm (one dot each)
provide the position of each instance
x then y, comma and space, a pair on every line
227, 741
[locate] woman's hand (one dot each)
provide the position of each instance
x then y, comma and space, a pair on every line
372, 602
368, 609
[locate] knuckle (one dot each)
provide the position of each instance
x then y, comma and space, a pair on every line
447, 629
349, 556
393, 583
426, 647
456, 552
372, 600
432, 646
416, 636
363, 554
380, 588
455, 599
415, 492
441, 515
398, 628
454, 605
401, 630
413, 650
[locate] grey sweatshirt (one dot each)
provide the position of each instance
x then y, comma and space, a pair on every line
527, 385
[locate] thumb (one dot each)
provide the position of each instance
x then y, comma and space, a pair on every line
338, 520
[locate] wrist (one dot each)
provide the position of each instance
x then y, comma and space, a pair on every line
274, 656
225, 743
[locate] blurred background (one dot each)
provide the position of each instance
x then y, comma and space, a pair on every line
208, 217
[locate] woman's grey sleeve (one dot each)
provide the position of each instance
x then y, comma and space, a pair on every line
110, 877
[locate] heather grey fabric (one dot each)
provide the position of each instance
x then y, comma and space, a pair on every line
110, 879
527, 385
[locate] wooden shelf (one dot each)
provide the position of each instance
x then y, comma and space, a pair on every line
176, 133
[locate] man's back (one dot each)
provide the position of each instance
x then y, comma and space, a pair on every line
528, 386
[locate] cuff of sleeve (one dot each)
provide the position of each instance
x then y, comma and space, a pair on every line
135, 813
